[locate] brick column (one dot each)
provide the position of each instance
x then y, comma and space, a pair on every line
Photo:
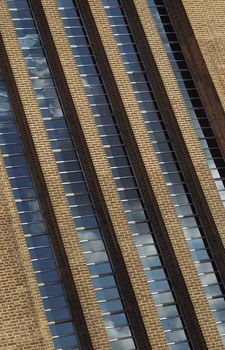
129, 272
180, 129
85, 310
169, 233
200, 28
23, 321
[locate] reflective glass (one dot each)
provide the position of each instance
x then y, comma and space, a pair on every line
205, 264
37, 237
119, 162
187, 87
74, 182
163, 146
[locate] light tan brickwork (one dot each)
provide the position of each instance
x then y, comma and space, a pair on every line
137, 297
184, 138
200, 27
23, 322
63, 223
114, 74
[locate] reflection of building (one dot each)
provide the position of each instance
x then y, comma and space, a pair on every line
113, 148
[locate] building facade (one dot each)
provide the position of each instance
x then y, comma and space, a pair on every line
112, 168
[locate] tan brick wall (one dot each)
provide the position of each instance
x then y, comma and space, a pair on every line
109, 59
23, 322
199, 27
179, 127
207, 20
118, 236
68, 239
187, 146
105, 194
208, 24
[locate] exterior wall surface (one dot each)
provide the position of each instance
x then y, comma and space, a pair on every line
159, 287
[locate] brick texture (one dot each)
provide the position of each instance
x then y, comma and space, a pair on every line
181, 131
23, 321
90, 328
170, 236
130, 275
200, 29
